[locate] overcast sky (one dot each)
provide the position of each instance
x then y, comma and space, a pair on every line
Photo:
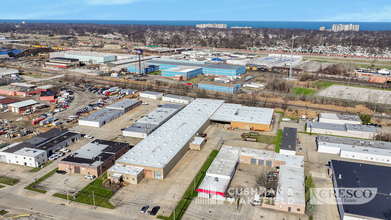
222, 10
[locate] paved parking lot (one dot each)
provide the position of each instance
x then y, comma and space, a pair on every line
56, 183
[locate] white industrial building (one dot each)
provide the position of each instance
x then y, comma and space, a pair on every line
101, 117
177, 99
359, 149
163, 149
238, 61
254, 85
8, 73
347, 130
276, 60
339, 119
146, 125
24, 156
291, 176
125, 105
151, 95
86, 57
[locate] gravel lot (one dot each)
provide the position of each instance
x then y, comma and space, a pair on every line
356, 93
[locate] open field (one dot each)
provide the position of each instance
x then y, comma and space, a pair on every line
302, 91
357, 94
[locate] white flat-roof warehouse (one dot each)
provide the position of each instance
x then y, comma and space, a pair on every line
151, 95
177, 99
161, 150
339, 119
243, 117
101, 117
359, 149
347, 130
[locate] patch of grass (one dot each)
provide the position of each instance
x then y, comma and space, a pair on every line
321, 61
282, 113
36, 169
302, 91
3, 85
376, 66
8, 181
1, 186
155, 73
3, 212
184, 203
278, 141
323, 84
266, 139
102, 194
31, 186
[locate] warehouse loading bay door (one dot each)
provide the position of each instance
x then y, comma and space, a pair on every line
247, 126
148, 173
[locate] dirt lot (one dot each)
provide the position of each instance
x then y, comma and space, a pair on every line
357, 94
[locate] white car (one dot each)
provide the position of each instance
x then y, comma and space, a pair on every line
88, 136
91, 177
65, 150
60, 154
53, 157
7, 110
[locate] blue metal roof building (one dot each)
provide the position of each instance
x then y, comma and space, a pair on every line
187, 72
219, 87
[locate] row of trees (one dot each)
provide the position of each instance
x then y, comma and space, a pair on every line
229, 38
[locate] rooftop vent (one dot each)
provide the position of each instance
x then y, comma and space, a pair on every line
216, 179
339, 176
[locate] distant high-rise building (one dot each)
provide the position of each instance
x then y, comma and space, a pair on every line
322, 28
345, 27
211, 25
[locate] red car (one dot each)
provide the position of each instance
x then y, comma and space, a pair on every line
65, 106
52, 100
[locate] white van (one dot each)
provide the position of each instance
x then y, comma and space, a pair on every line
286, 119
256, 200
73, 117
303, 117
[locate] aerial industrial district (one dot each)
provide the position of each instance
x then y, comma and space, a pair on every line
141, 135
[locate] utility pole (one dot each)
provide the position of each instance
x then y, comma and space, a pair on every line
93, 197
290, 68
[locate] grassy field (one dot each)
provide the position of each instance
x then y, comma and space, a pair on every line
8, 181
31, 186
321, 61
376, 66
266, 139
180, 209
302, 91
278, 141
36, 169
102, 194
323, 85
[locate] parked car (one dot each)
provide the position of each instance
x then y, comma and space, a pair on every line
60, 154
144, 209
120, 136
155, 210
286, 119
7, 110
300, 149
61, 172
65, 150
88, 136
299, 143
91, 177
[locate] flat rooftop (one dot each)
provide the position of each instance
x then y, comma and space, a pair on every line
158, 149
124, 103
340, 117
57, 140
141, 127
151, 93
183, 69
126, 169
84, 53
222, 66
8, 71
214, 83
29, 152
23, 85
291, 185
362, 175
159, 115
198, 140
288, 139
90, 153
235, 112
354, 142
344, 127
178, 97
102, 114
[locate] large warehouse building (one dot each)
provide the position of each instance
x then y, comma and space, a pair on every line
374, 179
146, 125
93, 158
89, 57
347, 130
177, 99
358, 149
182, 72
108, 114
162, 150
339, 119
35, 151
219, 87
243, 117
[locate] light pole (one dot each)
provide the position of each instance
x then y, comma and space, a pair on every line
66, 184
290, 68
